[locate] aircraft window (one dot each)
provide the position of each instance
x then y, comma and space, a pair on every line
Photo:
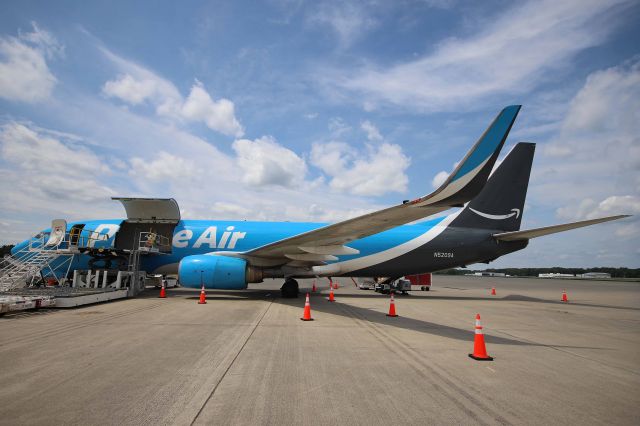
38, 235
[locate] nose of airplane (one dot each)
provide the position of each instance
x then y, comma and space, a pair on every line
24, 244
19, 247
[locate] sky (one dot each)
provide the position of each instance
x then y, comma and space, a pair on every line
319, 110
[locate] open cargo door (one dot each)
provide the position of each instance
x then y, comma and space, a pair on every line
146, 219
150, 210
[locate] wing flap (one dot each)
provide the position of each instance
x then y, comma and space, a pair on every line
527, 234
310, 257
329, 249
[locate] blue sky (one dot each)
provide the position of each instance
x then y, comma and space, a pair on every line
318, 111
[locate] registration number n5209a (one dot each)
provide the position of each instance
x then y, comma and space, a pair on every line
442, 254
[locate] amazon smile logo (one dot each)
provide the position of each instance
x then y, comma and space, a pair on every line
515, 212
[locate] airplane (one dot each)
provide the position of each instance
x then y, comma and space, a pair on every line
391, 242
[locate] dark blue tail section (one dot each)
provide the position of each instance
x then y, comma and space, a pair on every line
500, 203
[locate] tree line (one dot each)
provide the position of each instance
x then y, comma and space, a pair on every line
533, 272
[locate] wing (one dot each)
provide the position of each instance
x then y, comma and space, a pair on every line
464, 183
527, 234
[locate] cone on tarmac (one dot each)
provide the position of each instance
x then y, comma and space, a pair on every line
493, 291
203, 297
479, 348
331, 298
307, 310
314, 289
163, 292
392, 307
564, 296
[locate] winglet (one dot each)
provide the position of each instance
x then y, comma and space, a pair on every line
468, 179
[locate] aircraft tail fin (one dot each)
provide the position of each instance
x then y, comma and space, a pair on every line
500, 203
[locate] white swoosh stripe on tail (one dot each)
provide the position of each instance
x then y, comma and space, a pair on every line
516, 213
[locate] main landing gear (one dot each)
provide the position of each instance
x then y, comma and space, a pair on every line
289, 289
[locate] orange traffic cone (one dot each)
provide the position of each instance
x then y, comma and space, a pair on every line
479, 348
313, 289
493, 291
392, 307
203, 297
335, 285
307, 310
564, 296
331, 298
163, 292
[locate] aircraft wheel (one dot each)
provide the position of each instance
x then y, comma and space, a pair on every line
289, 289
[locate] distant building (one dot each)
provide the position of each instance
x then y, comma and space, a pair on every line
555, 275
596, 275
488, 274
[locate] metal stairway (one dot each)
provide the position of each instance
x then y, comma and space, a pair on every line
23, 268
51, 252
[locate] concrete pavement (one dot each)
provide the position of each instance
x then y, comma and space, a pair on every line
246, 358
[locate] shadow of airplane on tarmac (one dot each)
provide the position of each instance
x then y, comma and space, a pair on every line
371, 315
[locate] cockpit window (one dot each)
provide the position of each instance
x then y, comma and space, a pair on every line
38, 235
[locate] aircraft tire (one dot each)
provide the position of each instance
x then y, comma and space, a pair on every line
289, 289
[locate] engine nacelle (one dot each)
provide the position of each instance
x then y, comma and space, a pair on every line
221, 272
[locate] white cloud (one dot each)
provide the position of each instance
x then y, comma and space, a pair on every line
27, 149
40, 172
44, 40
589, 209
24, 73
217, 115
349, 20
510, 53
627, 204
379, 170
373, 134
338, 127
164, 166
332, 157
138, 85
596, 153
441, 176
606, 105
130, 90
230, 210
439, 179
591, 168
265, 162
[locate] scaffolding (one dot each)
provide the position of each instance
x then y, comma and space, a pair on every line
50, 254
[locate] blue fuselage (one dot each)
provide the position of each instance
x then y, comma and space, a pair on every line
422, 247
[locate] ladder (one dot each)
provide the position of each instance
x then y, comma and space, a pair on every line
144, 244
24, 267
134, 267
21, 269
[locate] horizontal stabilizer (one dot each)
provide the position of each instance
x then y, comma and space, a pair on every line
539, 232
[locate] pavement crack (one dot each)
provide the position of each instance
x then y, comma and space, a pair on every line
226, 371
416, 361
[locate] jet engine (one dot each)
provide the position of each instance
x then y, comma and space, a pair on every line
221, 272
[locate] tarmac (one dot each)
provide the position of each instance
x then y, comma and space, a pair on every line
246, 358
